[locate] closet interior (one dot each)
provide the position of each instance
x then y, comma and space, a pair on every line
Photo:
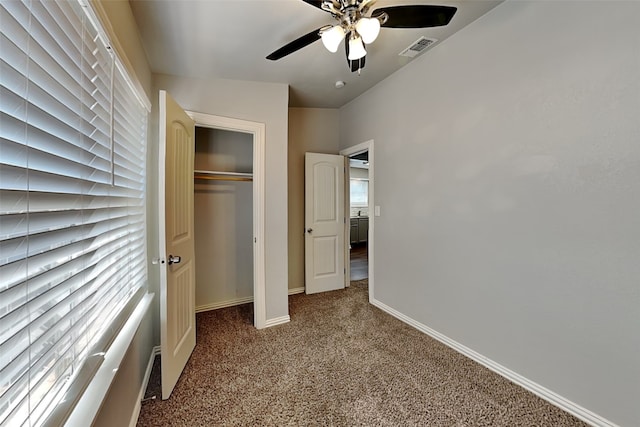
223, 218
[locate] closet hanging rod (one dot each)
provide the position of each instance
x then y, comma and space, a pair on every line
221, 173
222, 178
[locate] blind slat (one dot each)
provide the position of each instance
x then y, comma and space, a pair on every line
72, 192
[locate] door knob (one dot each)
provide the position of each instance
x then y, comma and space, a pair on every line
309, 230
174, 260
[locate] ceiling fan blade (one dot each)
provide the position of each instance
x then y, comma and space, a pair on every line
416, 16
315, 3
295, 45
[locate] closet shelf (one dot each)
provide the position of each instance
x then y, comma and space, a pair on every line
222, 176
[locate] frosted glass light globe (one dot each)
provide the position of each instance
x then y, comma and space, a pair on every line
332, 38
356, 49
368, 28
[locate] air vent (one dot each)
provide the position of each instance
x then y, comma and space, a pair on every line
418, 47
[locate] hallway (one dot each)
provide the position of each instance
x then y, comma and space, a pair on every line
359, 262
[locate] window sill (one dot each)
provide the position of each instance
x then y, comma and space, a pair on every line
89, 404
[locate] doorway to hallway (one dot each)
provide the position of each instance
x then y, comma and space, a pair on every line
359, 261
360, 246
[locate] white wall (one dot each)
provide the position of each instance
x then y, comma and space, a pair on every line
508, 174
258, 102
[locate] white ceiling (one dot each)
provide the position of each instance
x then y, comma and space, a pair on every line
230, 39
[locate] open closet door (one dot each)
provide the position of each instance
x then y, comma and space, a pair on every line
324, 222
177, 276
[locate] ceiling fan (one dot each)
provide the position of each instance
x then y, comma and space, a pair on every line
358, 29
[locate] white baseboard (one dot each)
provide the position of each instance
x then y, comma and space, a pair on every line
277, 321
543, 392
238, 301
147, 374
223, 304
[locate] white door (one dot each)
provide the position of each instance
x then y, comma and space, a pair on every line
324, 222
177, 276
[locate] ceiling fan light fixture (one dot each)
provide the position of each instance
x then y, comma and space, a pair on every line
332, 37
368, 28
356, 48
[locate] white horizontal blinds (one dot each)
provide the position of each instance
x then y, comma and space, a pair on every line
129, 172
72, 182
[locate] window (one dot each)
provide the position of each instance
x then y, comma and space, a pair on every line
359, 192
72, 212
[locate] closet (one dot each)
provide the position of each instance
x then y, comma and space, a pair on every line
223, 218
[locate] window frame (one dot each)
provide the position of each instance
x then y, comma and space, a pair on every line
363, 182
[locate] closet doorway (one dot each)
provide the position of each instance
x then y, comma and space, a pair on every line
229, 214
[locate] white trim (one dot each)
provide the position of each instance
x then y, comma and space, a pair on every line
277, 321
259, 248
85, 411
223, 304
535, 388
355, 149
238, 301
347, 222
143, 388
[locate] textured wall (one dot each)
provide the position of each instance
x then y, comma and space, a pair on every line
508, 174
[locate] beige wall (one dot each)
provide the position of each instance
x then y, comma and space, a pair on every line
314, 130
258, 102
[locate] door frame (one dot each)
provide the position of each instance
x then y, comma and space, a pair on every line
347, 152
257, 130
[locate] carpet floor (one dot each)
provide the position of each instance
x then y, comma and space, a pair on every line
339, 362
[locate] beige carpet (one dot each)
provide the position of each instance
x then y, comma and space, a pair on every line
339, 362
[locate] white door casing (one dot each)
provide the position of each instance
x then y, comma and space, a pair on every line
257, 130
324, 222
347, 223
176, 237
373, 211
